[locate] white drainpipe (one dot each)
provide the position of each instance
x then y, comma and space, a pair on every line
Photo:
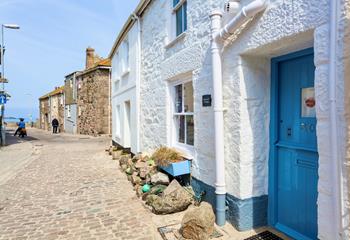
336, 163
218, 36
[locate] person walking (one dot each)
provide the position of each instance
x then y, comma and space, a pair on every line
55, 125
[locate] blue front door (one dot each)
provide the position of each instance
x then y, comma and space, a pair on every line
294, 157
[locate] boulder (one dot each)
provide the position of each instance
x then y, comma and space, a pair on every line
123, 159
116, 154
136, 180
160, 178
138, 189
144, 172
140, 165
158, 189
198, 223
124, 167
174, 201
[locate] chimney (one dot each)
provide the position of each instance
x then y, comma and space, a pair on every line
90, 57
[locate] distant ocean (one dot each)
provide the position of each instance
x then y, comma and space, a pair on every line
13, 119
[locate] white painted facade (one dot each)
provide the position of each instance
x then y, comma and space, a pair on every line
285, 27
125, 83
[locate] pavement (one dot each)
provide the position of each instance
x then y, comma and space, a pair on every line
70, 189
65, 186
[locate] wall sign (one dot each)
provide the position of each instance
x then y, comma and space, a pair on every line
206, 100
3, 99
308, 102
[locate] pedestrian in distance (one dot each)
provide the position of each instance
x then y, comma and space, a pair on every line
55, 125
21, 126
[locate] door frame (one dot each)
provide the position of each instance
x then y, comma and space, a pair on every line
274, 106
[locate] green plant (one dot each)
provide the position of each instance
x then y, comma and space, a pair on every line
164, 156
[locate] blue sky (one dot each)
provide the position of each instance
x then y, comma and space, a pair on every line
52, 41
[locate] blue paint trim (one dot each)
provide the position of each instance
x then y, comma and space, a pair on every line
272, 202
242, 214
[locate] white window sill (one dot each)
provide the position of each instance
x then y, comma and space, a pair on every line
176, 40
126, 72
187, 151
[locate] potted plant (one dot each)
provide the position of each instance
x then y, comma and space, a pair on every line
171, 161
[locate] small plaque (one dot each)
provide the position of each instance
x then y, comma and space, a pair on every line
206, 100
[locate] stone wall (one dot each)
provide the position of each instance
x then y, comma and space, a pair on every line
57, 110
93, 102
44, 111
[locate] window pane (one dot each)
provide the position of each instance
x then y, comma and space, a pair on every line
178, 98
190, 130
180, 125
188, 97
184, 16
179, 28
175, 2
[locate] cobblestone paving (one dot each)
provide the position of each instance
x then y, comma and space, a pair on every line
72, 191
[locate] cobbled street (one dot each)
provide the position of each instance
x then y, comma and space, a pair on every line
67, 188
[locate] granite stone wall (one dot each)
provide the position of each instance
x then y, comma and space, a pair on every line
93, 107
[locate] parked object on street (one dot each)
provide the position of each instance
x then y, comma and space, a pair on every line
198, 223
21, 125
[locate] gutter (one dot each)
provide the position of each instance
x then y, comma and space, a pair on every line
219, 35
138, 83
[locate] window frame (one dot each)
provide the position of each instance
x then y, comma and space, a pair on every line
180, 6
186, 148
118, 121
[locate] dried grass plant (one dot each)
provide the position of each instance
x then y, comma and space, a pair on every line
164, 156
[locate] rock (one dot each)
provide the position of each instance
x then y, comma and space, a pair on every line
129, 178
138, 190
129, 171
140, 164
160, 178
158, 189
144, 172
124, 167
173, 186
123, 159
198, 223
116, 154
135, 180
137, 157
176, 200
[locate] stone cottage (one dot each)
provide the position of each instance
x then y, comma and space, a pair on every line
93, 96
256, 90
52, 106
70, 96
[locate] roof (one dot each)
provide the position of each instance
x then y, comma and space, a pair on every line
57, 91
129, 23
104, 63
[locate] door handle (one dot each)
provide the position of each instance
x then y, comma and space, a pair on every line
289, 131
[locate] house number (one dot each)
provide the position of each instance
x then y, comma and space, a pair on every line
307, 127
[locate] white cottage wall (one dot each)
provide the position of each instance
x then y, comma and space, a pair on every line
124, 83
285, 27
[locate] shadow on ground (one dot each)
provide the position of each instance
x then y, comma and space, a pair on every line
11, 140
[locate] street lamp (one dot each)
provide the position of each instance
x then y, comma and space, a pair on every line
9, 26
3, 80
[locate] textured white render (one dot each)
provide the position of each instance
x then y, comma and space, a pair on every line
285, 27
126, 92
